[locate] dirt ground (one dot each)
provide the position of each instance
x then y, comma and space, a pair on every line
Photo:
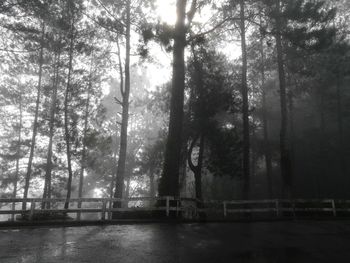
298, 241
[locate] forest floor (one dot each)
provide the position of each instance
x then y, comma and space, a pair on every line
289, 241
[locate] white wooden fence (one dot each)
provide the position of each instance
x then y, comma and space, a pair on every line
185, 207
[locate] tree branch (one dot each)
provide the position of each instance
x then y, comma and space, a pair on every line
110, 13
101, 25
212, 29
118, 101
192, 12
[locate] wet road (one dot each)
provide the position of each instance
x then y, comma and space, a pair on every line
303, 241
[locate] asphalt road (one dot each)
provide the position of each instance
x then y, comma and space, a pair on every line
301, 241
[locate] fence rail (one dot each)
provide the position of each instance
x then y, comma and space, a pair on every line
181, 207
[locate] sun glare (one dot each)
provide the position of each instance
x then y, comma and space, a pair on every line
166, 11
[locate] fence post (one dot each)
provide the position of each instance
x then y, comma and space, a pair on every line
277, 208
32, 208
103, 214
225, 210
334, 209
167, 206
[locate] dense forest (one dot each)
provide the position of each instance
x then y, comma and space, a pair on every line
212, 99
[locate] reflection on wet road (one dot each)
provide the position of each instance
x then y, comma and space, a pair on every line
154, 243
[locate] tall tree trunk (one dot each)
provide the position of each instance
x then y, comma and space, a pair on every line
116, 146
183, 174
66, 112
119, 188
245, 107
285, 162
169, 182
18, 152
36, 115
47, 185
267, 149
83, 154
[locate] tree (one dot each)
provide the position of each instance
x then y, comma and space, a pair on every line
119, 188
35, 124
72, 17
211, 98
52, 119
169, 182
245, 106
303, 36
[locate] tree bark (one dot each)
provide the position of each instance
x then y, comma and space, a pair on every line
285, 162
169, 182
18, 152
267, 150
36, 115
116, 147
119, 188
83, 154
66, 112
245, 106
47, 185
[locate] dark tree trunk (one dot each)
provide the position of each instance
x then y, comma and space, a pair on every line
35, 124
267, 150
116, 146
169, 182
183, 173
48, 170
119, 188
66, 120
245, 106
285, 162
18, 153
